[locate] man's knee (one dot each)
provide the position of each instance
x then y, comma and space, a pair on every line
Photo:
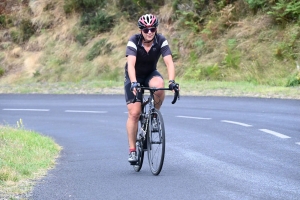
156, 81
134, 111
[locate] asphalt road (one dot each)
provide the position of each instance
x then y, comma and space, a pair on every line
216, 147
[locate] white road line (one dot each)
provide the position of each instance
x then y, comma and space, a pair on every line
189, 117
34, 110
275, 133
84, 111
298, 143
237, 123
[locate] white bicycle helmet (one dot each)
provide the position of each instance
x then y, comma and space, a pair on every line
147, 20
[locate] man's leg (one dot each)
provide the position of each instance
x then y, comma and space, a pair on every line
159, 96
134, 111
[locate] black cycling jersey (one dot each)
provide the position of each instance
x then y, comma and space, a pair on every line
146, 62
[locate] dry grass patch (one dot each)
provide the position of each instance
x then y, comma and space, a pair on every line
46, 13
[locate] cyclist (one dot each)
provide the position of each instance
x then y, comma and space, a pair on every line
143, 51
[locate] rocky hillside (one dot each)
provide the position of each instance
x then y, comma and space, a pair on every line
72, 41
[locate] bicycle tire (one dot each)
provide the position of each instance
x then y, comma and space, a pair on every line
156, 143
140, 153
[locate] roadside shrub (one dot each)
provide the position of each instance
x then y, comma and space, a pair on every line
255, 5
289, 47
98, 22
191, 14
133, 9
191, 20
82, 36
93, 23
194, 13
200, 46
293, 80
212, 72
82, 5
23, 32
2, 71
233, 56
130, 9
198, 72
286, 11
2, 21
101, 47
109, 74
193, 73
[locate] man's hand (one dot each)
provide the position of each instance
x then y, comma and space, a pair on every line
133, 87
173, 85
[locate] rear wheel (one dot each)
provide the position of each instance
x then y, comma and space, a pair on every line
140, 154
156, 142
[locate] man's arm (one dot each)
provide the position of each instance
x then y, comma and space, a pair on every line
170, 66
131, 69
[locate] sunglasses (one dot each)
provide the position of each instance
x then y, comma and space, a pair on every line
146, 30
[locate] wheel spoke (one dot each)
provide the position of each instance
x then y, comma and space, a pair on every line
156, 145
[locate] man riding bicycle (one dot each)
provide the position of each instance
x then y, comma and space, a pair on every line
143, 51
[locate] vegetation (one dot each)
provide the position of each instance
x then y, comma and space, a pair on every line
24, 155
68, 41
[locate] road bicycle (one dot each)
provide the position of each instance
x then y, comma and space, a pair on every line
151, 131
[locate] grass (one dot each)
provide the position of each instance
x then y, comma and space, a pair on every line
188, 88
235, 89
25, 156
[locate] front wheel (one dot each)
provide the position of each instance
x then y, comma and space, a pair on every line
156, 142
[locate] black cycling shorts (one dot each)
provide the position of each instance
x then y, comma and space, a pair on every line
129, 96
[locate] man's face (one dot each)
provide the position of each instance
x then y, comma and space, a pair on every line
149, 33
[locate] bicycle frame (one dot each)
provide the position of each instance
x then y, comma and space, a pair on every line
150, 101
146, 127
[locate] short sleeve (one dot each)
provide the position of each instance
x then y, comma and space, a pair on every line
165, 49
131, 47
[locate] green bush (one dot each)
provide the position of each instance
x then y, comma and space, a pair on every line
101, 47
23, 32
83, 35
212, 72
109, 74
2, 71
197, 71
2, 21
93, 23
191, 20
133, 9
98, 22
191, 16
286, 11
293, 80
82, 5
289, 47
255, 5
193, 73
233, 56
130, 9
